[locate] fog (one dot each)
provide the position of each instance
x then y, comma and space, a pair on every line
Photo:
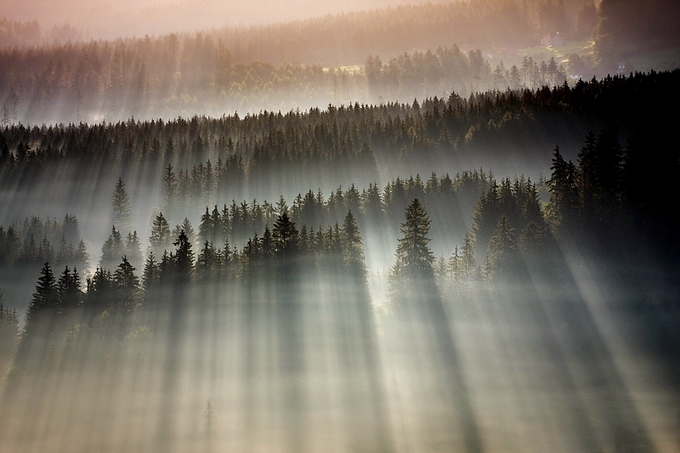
272, 227
299, 361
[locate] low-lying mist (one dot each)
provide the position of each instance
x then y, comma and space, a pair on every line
296, 357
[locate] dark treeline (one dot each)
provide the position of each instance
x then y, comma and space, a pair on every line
258, 156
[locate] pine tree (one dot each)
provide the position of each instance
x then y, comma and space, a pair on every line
82, 258
352, 248
150, 273
133, 249
414, 257
206, 227
112, 250
184, 258
9, 336
69, 290
44, 305
127, 287
170, 192
285, 236
501, 256
563, 195
160, 238
188, 230
122, 212
411, 280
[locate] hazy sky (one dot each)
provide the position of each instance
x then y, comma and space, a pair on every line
102, 18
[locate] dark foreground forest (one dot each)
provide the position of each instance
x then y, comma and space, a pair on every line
364, 307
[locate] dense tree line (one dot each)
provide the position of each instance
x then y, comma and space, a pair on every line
425, 74
258, 155
34, 241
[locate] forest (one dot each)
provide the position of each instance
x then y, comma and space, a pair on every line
239, 240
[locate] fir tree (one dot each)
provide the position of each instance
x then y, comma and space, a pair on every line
501, 256
133, 249
150, 273
563, 194
413, 257
112, 250
411, 281
352, 248
170, 193
44, 305
9, 336
127, 286
285, 236
184, 257
160, 238
69, 291
122, 212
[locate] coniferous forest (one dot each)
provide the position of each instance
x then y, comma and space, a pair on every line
415, 228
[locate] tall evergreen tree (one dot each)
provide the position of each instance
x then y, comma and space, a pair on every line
150, 273
133, 249
160, 239
69, 291
352, 248
414, 257
44, 304
112, 250
411, 279
502, 256
563, 195
184, 257
170, 190
9, 335
122, 211
127, 287
285, 236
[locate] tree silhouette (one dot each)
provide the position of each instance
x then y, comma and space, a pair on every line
122, 211
411, 279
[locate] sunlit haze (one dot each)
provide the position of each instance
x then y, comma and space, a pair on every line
303, 226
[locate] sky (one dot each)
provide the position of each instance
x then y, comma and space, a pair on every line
105, 19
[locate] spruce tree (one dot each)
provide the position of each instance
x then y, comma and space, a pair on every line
150, 273
112, 250
414, 257
44, 305
285, 236
184, 257
502, 256
411, 281
160, 238
9, 335
563, 195
352, 248
170, 193
69, 290
133, 249
127, 287
122, 211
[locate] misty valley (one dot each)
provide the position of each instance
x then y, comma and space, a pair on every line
421, 228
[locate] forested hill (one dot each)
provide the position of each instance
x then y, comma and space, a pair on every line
283, 66
357, 143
